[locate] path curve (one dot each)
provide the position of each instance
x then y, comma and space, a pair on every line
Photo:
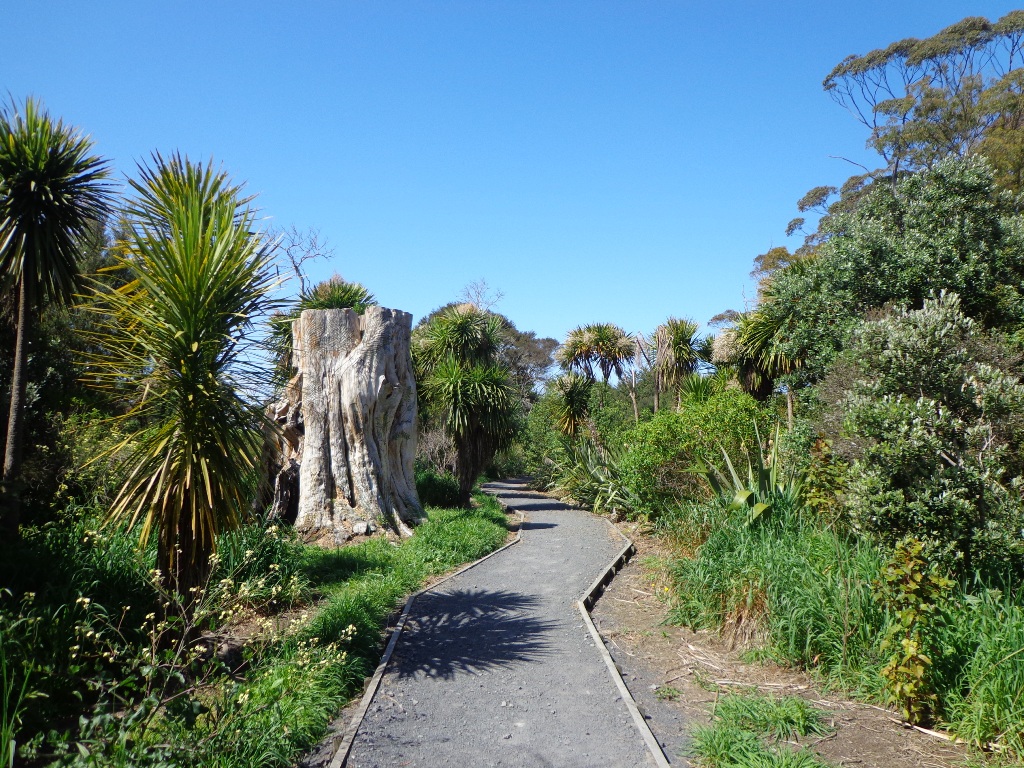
495, 666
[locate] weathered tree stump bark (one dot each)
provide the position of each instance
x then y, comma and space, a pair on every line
357, 419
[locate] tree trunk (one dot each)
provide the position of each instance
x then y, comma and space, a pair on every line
789, 406
10, 493
632, 396
357, 400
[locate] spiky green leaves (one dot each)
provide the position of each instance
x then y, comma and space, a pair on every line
465, 388
604, 345
175, 336
572, 407
51, 189
336, 293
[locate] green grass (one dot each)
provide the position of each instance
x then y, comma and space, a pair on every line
802, 593
272, 711
781, 718
746, 730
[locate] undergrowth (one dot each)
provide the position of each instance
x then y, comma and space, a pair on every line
95, 670
814, 596
748, 731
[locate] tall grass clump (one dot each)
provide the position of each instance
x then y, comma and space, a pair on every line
984, 681
747, 729
803, 590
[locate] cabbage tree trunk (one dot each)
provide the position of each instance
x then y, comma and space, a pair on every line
354, 437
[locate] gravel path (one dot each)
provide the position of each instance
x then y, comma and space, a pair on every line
495, 666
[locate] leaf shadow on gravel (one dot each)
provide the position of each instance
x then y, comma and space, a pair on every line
471, 631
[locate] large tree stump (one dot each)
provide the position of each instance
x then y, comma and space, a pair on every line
357, 406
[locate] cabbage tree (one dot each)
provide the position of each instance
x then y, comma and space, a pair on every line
52, 190
174, 340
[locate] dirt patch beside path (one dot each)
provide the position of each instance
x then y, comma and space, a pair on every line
692, 668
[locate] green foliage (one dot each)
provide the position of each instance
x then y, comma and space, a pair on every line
52, 192
590, 476
572, 404
984, 701
912, 589
333, 293
938, 426
768, 481
803, 590
677, 349
107, 680
435, 489
542, 442
336, 293
661, 453
746, 731
603, 345
962, 95
175, 338
943, 229
785, 717
465, 389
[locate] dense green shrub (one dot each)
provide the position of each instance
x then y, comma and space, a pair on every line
936, 428
543, 443
662, 453
436, 489
948, 228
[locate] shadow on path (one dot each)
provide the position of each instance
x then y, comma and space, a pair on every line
471, 631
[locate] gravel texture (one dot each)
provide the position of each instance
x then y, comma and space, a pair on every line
495, 667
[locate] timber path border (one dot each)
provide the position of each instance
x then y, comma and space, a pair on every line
500, 664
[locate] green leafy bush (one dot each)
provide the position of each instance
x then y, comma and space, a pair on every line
662, 453
436, 489
936, 427
947, 228
913, 589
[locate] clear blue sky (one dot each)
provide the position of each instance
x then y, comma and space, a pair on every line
595, 161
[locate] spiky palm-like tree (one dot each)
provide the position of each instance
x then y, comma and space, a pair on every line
760, 336
677, 353
465, 389
572, 408
176, 335
604, 345
477, 407
461, 331
52, 189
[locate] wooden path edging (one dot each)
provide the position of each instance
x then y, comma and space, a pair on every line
584, 604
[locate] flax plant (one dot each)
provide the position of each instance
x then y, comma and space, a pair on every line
173, 341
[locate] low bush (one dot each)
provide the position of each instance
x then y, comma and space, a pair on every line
662, 453
436, 489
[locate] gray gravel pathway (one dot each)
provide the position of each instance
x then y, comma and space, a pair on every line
495, 667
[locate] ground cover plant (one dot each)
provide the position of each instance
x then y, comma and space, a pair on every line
753, 730
93, 676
